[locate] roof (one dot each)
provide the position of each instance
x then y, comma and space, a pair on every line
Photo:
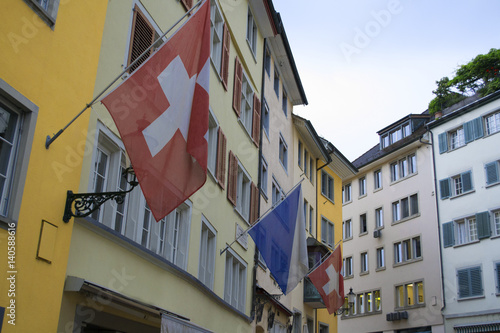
306, 129
339, 163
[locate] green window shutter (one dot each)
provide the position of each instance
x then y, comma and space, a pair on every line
463, 283
467, 181
476, 281
497, 272
443, 142
491, 173
469, 131
483, 225
470, 282
444, 186
478, 128
448, 234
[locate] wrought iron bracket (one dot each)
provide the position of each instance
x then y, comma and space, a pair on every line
85, 204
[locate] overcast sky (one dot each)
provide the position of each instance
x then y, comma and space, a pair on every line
366, 64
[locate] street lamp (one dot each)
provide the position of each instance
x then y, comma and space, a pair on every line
350, 303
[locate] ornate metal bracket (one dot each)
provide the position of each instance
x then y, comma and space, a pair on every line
85, 204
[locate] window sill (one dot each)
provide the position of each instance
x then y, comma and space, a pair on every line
363, 233
362, 196
409, 307
492, 185
346, 203
237, 210
252, 51
381, 269
358, 315
462, 194
470, 298
403, 178
407, 262
6, 223
348, 277
364, 273
42, 13
465, 244
378, 189
327, 198
405, 219
347, 239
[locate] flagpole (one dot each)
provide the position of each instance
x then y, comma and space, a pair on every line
263, 215
49, 140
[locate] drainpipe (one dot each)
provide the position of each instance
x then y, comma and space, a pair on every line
437, 211
259, 180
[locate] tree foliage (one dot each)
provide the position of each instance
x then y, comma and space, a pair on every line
481, 75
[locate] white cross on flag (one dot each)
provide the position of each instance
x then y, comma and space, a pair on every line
329, 282
161, 112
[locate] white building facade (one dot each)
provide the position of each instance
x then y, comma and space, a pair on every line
467, 162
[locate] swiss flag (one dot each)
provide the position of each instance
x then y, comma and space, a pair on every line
329, 282
161, 112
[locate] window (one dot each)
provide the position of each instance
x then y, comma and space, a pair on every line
241, 191
277, 192
492, 173
251, 32
306, 164
405, 208
362, 186
379, 218
496, 227
497, 276
326, 185
346, 193
263, 176
207, 253
306, 214
107, 175
213, 127
311, 170
403, 168
283, 153
466, 230
380, 258
470, 282
377, 178
456, 138
456, 185
410, 294
267, 62
365, 303
284, 103
265, 120
327, 232
235, 281
492, 123
362, 224
220, 42
46, 10
246, 104
407, 250
300, 154
347, 267
311, 219
395, 135
347, 229
142, 36
277, 83
364, 262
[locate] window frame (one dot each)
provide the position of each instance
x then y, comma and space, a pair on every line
206, 264
328, 185
347, 262
362, 186
283, 152
47, 13
364, 263
327, 232
403, 168
398, 209
380, 258
363, 224
379, 218
416, 300
238, 303
252, 32
347, 193
405, 251
347, 229
377, 180
264, 176
469, 279
27, 114
496, 119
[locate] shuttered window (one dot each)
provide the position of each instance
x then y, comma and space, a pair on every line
456, 185
448, 234
470, 283
238, 75
232, 178
497, 276
473, 130
443, 142
142, 37
225, 56
220, 43
254, 200
256, 120
492, 173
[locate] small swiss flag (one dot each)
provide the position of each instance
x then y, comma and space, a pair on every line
329, 282
161, 112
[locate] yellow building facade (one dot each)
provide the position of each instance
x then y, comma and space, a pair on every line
48, 61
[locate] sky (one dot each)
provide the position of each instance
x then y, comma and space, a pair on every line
365, 64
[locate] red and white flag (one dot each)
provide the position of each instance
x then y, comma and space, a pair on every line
329, 282
161, 112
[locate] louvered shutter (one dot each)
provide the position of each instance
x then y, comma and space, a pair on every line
220, 169
483, 225
478, 128
467, 181
226, 42
463, 283
497, 272
492, 173
238, 77
142, 38
443, 142
254, 203
469, 131
232, 178
470, 282
448, 234
444, 187
256, 120
476, 281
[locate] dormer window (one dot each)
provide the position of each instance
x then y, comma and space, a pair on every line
395, 134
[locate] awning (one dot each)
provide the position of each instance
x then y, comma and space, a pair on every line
478, 327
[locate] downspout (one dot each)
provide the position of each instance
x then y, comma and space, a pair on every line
259, 180
437, 212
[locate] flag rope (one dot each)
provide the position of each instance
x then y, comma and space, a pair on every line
49, 140
260, 218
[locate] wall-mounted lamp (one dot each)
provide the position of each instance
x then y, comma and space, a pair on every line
350, 304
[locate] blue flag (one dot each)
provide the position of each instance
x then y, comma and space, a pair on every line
280, 237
